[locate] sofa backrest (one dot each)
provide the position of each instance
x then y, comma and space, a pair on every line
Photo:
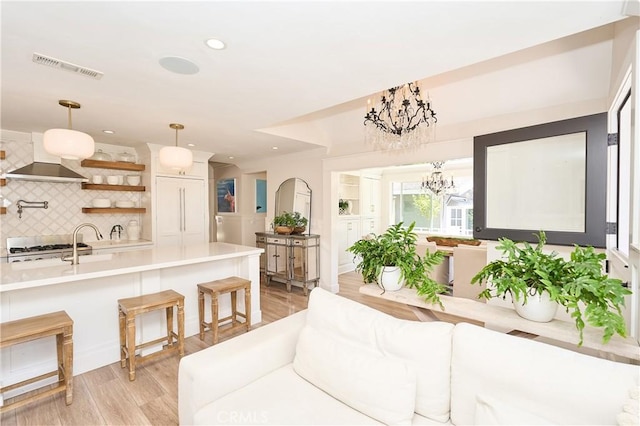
501, 379
424, 347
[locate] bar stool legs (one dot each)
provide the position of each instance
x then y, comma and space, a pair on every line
129, 308
57, 324
217, 288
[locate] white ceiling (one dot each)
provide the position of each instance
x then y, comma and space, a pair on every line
294, 74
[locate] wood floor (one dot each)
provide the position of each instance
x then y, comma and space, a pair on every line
106, 396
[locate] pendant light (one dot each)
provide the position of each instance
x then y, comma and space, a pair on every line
175, 157
67, 143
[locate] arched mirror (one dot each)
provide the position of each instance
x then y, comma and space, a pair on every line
294, 195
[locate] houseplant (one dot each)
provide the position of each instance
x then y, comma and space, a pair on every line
284, 223
577, 284
343, 206
300, 223
395, 249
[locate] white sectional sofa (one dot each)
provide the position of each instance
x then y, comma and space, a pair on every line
340, 362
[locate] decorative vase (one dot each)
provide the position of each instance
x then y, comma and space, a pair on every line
538, 308
284, 230
391, 278
349, 206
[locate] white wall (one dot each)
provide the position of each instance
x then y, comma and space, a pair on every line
239, 227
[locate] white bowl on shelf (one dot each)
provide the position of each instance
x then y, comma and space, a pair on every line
101, 203
133, 180
123, 204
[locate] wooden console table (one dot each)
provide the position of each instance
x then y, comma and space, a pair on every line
468, 309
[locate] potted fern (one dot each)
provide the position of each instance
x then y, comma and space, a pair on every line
390, 260
579, 285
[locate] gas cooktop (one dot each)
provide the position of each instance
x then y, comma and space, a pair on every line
42, 247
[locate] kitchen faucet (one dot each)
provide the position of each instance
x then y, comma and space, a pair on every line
74, 256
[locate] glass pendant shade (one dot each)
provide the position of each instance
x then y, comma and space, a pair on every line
175, 157
69, 144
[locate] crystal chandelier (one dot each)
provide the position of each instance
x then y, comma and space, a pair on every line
403, 119
436, 183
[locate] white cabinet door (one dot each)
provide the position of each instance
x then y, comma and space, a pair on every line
371, 225
168, 211
180, 211
193, 227
198, 170
349, 234
370, 196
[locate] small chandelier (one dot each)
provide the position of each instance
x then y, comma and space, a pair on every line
403, 119
175, 157
436, 183
67, 143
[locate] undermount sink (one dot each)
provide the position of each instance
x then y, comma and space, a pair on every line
45, 263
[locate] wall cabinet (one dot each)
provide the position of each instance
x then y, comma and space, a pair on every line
348, 232
198, 170
291, 259
180, 211
370, 196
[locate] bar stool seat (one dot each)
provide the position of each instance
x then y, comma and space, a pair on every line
215, 289
57, 324
130, 307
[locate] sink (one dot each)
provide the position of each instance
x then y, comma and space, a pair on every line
46, 263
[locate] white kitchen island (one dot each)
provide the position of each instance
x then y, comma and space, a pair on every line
88, 292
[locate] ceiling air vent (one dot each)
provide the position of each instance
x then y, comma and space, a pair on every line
67, 66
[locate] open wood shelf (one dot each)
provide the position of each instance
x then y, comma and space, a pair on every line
3, 154
3, 182
3, 210
113, 165
107, 187
114, 210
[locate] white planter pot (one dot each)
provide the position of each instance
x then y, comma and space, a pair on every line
391, 278
539, 307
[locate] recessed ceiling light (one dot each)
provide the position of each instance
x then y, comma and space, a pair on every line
109, 132
231, 157
274, 147
191, 144
214, 43
178, 65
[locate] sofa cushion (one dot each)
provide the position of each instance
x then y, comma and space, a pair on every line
378, 386
492, 411
281, 397
425, 347
559, 385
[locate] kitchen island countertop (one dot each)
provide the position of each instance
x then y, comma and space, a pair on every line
23, 275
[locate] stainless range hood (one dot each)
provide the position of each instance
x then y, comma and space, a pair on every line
45, 167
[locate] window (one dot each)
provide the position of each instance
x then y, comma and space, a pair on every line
446, 214
456, 217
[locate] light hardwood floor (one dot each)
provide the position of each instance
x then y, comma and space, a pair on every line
106, 396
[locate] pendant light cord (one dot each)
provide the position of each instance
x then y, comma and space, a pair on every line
69, 108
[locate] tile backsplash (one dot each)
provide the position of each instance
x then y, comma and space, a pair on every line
65, 200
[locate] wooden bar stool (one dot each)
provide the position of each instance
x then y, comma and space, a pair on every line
129, 308
215, 289
57, 324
